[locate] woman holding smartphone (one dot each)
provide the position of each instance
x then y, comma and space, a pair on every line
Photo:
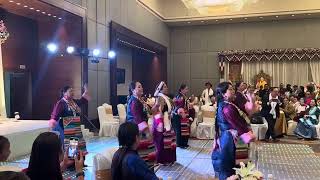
47, 160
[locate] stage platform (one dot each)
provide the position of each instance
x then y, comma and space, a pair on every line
21, 134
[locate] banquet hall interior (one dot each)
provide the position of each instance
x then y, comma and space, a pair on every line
267, 50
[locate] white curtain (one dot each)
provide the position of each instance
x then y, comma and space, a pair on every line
315, 70
287, 72
3, 112
226, 72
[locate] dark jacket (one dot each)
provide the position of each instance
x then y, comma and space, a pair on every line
266, 107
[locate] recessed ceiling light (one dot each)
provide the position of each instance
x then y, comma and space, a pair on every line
277, 16
49, 14
11, 1
54, 16
231, 19
245, 18
202, 21
292, 15
18, 4
38, 10
188, 22
59, 18
43, 12
309, 14
25, 6
32, 8
261, 17
217, 20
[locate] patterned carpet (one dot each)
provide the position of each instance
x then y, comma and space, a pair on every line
195, 162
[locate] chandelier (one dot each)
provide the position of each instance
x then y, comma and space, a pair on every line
3, 32
211, 6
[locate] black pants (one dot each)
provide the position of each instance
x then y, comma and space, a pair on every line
271, 124
176, 124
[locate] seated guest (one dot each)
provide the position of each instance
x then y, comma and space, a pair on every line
4, 148
126, 163
288, 109
245, 102
47, 156
213, 100
301, 108
308, 98
294, 101
301, 93
6, 172
306, 125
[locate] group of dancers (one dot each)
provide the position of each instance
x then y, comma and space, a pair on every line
171, 123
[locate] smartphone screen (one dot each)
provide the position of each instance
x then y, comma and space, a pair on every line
73, 147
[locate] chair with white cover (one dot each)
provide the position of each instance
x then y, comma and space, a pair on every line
318, 128
259, 130
193, 128
122, 113
102, 164
108, 124
206, 129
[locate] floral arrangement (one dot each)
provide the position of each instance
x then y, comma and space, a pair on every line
3, 32
246, 172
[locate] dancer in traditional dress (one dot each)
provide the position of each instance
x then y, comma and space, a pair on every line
65, 117
180, 101
163, 134
137, 113
230, 124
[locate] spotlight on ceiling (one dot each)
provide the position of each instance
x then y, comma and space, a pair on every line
70, 49
96, 52
111, 54
52, 47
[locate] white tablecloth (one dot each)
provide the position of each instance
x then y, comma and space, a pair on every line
21, 134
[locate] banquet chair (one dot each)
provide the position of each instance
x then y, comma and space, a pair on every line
292, 125
102, 164
193, 128
122, 113
259, 130
108, 124
318, 128
205, 129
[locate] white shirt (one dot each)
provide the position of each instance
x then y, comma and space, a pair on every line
206, 96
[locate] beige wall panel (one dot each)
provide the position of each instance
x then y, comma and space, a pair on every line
198, 39
181, 66
199, 65
102, 87
212, 68
254, 36
92, 9
115, 10
216, 37
101, 11
180, 40
234, 36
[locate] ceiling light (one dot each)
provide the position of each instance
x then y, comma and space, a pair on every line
18, 4
217, 20
96, 52
292, 15
70, 49
202, 21
189, 22
43, 12
11, 1
111, 54
59, 18
32, 8
309, 14
277, 16
49, 14
245, 18
38, 10
231, 19
25, 6
54, 16
261, 17
52, 47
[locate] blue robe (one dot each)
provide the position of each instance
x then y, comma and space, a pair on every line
306, 126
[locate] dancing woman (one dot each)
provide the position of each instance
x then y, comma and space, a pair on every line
137, 113
65, 117
163, 134
230, 124
180, 101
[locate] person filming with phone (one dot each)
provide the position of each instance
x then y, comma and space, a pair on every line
47, 160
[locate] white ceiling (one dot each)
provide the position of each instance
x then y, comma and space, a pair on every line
190, 12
